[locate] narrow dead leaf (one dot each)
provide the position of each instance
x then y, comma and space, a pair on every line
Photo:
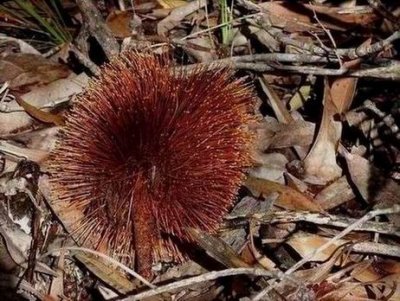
288, 197
109, 275
218, 249
38, 114
23, 70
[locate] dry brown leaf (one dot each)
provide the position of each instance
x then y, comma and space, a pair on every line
38, 114
361, 173
373, 186
288, 197
23, 70
171, 3
375, 270
254, 257
16, 120
297, 133
384, 271
282, 114
177, 15
295, 16
109, 275
305, 244
119, 23
320, 162
218, 249
335, 194
276, 135
343, 89
36, 155
270, 167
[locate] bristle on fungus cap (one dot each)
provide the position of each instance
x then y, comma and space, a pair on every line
147, 153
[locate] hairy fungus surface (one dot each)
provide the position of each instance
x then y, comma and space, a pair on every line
147, 153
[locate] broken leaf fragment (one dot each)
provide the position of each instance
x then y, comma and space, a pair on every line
289, 198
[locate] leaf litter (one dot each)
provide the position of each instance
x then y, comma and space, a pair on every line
317, 217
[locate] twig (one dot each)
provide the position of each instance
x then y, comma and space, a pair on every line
359, 222
318, 219
351, 53
392, 71
378, 6
87, 62
376, 248
98, 28
201, 278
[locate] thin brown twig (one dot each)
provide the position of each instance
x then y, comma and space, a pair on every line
318, 219
199, 279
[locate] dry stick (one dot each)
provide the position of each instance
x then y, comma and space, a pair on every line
366, 217
86, 61
315, 218
391, 72
329, 34
201, 278
259, 62
98, 28
382, 10
368, 247
263, 67
351, 53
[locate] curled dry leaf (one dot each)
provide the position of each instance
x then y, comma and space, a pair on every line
321, 162
14, 119
338, 95
38, 114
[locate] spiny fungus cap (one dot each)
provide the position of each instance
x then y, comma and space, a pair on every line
147, 153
